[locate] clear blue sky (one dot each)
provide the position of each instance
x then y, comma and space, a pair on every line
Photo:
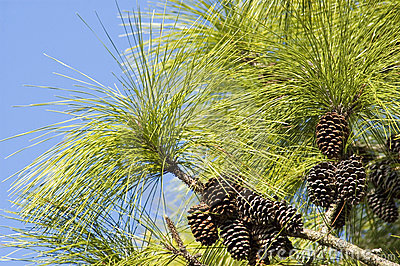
29, 28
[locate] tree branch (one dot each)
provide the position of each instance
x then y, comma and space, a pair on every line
345, 247
193, 183
191, 259
329, 215
322, 238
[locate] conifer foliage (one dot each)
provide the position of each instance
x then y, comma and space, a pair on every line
341, 214
246, 103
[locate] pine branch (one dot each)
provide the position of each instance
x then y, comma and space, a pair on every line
343, 246
192, 182
191, 259
329, 216
323, 238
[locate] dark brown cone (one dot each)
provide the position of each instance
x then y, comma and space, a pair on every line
202, 224
287, 218
266, 212
393, 143
255, 255
321, 184
236, 238
262, 235
367, 155
220, 195
341, 215
272, 241
385, 178
351, 182
258, 209
223, 211
383, 206
332, 132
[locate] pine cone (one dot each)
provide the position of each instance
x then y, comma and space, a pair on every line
236, 238
385, 178
367, 155
272, 241
253, 254
321, 184
383, 206
202, 224
256, 255
341, 215
220, 195
393, 143
258, 209
331, 133
350, 177
287, 218
262, 235
265, 212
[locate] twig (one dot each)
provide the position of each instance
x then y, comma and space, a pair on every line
191, 182
174, 233
191, 259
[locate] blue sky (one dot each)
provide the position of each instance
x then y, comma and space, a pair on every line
29, 28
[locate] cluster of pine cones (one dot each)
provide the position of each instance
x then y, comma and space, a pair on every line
386, 182
251, 227
342, 181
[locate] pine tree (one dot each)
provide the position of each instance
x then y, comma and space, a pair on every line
233, 105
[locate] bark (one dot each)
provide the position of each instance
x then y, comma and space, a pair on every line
345, 247
193, 183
